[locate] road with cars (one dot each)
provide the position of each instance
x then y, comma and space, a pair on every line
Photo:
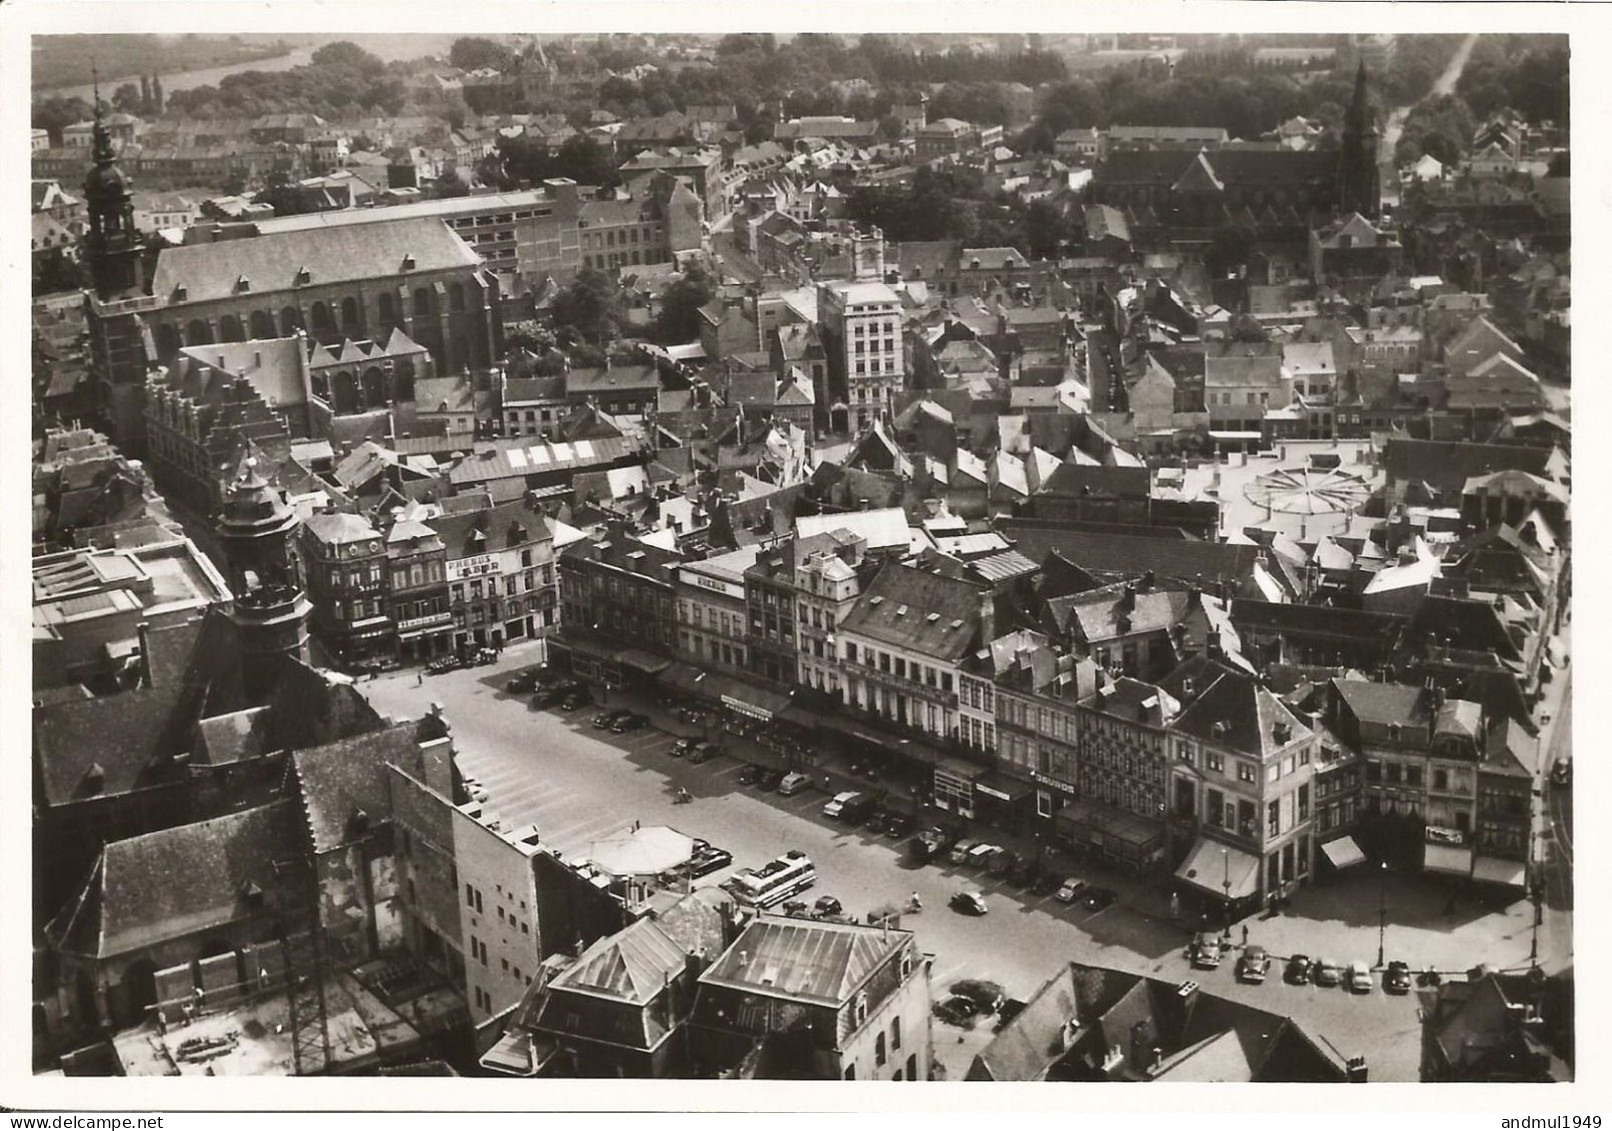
577, 784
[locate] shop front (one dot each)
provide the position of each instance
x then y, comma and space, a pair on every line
1100, 830
1004, 801
1222, 875
594, 661
954, 789
1446, 852
424, 638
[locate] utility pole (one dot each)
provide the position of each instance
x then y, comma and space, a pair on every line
1382, 912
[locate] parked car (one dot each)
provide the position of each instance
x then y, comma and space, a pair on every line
958, 1009
1327, 972
1254, 964
1298, 970
604, 720
981, 855
1359, 977
796, 908
1071, 889
708, 859
1004, 862
630, 721
1205, 950
1097, 898
932, 842
960, 851
768, 779
1397, 978
899, 825
747, 773
1010, 1009
835, 805
576, 700
702, 752
873, 821
827, 905
1046, 883
683, 746
522, 683
1562, 772
969, 903
793, 784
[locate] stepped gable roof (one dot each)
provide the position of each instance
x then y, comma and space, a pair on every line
270, 263
180, 882
339, 779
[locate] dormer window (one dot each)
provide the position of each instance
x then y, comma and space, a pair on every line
242, 285
304, 277
181, 293
408, 263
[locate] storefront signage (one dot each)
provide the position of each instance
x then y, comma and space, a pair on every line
700, 581
989, 792
423, 622
478, 566
741, 707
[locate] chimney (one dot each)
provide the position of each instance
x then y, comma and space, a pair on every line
143, 629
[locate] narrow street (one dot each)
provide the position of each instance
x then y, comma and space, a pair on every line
578, 785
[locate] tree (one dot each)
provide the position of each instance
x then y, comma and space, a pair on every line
1043, 229
55, 114
126, 99
680, 305
591, 306
345, 53
1228, 250
450, 183
472, 52
1245, 329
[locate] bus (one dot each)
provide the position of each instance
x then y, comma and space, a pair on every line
772, 883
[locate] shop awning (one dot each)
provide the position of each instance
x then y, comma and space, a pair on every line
1454, 860
965, 773
1343, 852
1493, 870
994, 783
643, 661
1211, 864
1109, 823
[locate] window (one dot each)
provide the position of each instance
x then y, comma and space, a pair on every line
470, 896
1217, 762
1245, 771
878, 1050
1272, 773
1273, 818
861, 1008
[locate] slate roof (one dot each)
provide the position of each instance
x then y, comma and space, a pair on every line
180, 882
1029, 1044
1447, 465
1248, 711
331, 255
632, 965
1177, 558
920, 611
821, 963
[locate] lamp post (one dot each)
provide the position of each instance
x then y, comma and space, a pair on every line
1225, 860
1382, 912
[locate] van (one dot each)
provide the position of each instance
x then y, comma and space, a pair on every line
835, 806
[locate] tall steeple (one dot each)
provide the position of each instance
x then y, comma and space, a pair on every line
112, 245
1358, 187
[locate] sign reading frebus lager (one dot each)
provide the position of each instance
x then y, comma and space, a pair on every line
478, 566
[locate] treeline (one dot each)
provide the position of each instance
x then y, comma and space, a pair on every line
67, 60
1528, 74
340, 80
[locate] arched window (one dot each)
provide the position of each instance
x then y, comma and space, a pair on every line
388, 313
349, 314
167, 340
320, 316
422, 302
229, 329
197, 333
262, 324
456, 298
345, 393
290, 320
374, 388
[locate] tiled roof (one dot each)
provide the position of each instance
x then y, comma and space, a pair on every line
332, 255
1447, 465
1230, 709
1028, 1045
340, 778
180, 882
1178, 558
632, 965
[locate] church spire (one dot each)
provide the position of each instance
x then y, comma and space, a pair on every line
103, 138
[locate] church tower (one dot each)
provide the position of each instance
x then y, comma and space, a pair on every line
257, 529
112, 244
1358, 188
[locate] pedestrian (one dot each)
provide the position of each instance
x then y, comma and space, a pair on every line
419, 679
1245, 936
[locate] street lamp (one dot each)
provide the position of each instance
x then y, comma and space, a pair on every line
1382, 912
1225, 860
